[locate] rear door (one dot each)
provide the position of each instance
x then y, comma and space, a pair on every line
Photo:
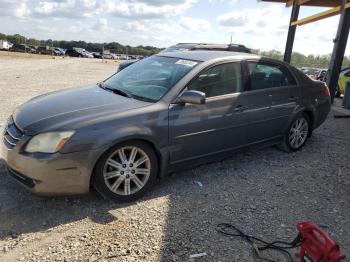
274, 96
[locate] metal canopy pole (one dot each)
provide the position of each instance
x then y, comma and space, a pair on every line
339, 49
291, 33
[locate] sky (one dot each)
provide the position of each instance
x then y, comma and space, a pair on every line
162, 23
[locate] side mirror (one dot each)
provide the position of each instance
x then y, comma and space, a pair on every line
192, 97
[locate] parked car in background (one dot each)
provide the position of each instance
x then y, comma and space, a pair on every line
311, 72
59, 51
87, 54
165, 113
73, 52
33, 48
108, 55
125, 64
97, 54
344, 77
77, 52
322, 75
44, 50
23, 48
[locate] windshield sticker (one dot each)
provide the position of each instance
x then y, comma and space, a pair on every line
186, 62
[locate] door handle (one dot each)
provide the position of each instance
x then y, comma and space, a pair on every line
292, 98
240, 108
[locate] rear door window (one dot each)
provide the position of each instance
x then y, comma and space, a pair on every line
266, 75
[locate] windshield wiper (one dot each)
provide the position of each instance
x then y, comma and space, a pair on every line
114, 90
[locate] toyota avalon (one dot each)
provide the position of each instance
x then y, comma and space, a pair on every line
162, 114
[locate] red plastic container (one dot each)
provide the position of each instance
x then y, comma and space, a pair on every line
316, 245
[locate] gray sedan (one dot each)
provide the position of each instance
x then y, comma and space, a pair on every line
164, 113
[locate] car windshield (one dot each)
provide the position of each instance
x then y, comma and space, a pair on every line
149, 79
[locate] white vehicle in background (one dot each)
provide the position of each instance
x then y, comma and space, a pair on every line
123, 57
108, 55
5, 45
87, 54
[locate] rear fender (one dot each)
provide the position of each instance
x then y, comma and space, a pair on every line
300, 109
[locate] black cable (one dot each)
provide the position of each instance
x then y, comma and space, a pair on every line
280, 246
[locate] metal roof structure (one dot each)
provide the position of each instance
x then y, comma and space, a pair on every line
320, 3
335, 7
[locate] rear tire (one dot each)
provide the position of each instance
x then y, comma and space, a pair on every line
297, 134
126, 171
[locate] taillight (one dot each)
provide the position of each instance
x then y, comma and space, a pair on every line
325, 90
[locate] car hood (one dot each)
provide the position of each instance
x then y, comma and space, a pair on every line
71, 109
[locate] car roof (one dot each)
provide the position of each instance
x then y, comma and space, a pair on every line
204, 55
207, 45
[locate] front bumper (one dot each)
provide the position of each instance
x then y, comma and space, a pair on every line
51, 174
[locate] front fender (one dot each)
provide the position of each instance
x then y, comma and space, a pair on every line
109, 136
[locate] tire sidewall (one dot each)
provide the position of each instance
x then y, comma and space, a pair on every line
286, 136
98, 179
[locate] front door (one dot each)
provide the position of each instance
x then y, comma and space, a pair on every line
216, 126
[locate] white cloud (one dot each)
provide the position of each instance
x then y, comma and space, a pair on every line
13, 8
67, 8
266, 27
148, 9
100, 25
258, 20
194, 24
151, 27
231, 2
123, 8
165, 22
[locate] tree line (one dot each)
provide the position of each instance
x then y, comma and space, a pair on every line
92, 47
298, 59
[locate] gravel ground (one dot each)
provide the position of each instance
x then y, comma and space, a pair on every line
264, 192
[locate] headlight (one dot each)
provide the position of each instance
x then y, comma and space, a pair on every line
50, 142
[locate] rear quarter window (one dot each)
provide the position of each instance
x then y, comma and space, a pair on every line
303, 79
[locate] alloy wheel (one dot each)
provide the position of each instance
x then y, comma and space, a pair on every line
298, 133
127, 170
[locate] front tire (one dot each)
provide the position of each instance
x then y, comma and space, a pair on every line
297, 134
126, 171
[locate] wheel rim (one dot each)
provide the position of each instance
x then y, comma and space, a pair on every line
298, 133
127, 170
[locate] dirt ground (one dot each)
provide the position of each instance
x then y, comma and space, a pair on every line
264, 192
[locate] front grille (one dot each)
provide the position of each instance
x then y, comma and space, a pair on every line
12, 134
